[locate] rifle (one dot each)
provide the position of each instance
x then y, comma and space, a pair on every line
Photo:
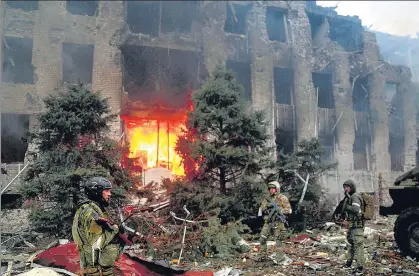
109, 224
276, 211
340, 209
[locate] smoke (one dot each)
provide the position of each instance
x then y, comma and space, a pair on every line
393, 17
17, 60
77, 62
14, 128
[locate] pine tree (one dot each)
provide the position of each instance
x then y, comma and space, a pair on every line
71, 146
305, 160
224, 138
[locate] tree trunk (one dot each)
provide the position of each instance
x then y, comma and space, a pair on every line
222, 180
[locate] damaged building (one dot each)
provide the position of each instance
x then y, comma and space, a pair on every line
314, 73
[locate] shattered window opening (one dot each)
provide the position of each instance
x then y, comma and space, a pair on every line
155, 75
394, 100
360, 95
361, 148
346, 33
77, 62
88, 8
13, 130
243, 74
17, 60
327, 141
316, 22
283, 85
276, 24
323, 86
24, 5
177, 16
284, 140
143, 17
239, 12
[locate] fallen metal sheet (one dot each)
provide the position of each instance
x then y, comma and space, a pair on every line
67, 257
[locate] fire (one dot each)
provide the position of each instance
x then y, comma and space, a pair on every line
152, 143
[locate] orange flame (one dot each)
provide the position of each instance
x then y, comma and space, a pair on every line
153, 143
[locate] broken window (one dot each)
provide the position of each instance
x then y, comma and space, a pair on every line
236, 18
361, 152
316, 22
347, 33
324, 90
283, 84
177, 16
144, 17
284, 140
14, 128
243, 74
77, 62
23, 5
360, 94
157, 75
88, 8
396, 126
276, 24
17, 60
327, 141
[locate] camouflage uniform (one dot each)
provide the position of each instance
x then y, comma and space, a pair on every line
274, 227
87, 234
356, 225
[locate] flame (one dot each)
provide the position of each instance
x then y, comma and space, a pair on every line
153, 143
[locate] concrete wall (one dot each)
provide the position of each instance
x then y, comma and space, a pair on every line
52, 24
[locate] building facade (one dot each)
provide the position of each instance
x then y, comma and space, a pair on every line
314, 73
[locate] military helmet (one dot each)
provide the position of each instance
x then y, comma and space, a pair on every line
94, 187
274, 184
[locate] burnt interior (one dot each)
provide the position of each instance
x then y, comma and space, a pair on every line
143, 17
327, 141
243, 74
284, 140
17, 60
360, 95
14, 128
346, 33
323, 84
24, 5
236, 18
275, 24
77, 62
283, 85
316, 22
162, 76
155, 17
360, 151
396, 126
88, 8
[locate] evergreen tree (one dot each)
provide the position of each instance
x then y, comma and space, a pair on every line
71, 146
224, 138
306, 160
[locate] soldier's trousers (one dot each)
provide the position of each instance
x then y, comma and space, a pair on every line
105, 261
276, 231
356, 245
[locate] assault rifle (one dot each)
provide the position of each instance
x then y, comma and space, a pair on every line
276, 212
109, 224
340, 214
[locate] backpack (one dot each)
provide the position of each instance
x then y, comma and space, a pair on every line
368, 208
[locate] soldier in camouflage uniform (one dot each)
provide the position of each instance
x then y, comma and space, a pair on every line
95, 241
273, 226
356, 225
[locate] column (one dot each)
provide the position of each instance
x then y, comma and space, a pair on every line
107, 65
345, 127
304, 94
261, 66
213, 37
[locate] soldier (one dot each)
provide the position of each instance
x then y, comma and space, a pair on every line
273, 210
95, 241
356, 225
